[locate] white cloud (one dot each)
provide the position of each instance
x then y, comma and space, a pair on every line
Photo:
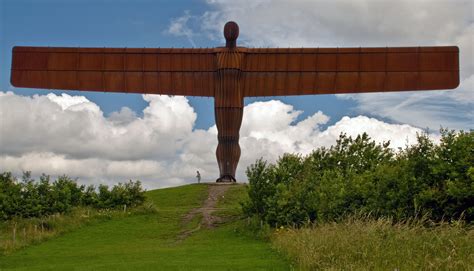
453, 109
179, 27
62, 134
122, 117
347, 23
77, 103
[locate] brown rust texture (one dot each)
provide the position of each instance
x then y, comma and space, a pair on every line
231, 73
155, 71
229, 109
307, 71
265, 72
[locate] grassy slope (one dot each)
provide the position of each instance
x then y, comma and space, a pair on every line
148, 242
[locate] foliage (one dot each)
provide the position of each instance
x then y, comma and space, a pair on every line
29, 198
360, 176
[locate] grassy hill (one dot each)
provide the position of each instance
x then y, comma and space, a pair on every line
199, 227
159, 241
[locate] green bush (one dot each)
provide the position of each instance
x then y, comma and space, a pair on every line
129, 194
358, 176
29, 198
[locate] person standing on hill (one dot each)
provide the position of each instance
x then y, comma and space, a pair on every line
198, 176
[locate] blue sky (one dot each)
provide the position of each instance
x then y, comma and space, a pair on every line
163, 140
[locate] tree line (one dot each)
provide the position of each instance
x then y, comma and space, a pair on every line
359, 176
28, 198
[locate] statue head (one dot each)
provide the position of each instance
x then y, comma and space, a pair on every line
231, 33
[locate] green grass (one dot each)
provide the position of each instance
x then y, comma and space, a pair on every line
150, 242
24, 232
364, 244
229, 206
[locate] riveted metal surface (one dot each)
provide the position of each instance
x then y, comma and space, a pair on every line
231, 73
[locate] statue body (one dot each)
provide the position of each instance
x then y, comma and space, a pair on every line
228, 108
231, 73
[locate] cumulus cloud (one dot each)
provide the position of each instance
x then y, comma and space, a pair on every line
63, 134
124, 116
347, 23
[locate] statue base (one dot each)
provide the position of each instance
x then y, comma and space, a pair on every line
226, 179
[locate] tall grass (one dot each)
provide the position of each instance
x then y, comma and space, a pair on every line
21, 232
369, 244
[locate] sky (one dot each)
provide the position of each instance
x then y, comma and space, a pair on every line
162, 140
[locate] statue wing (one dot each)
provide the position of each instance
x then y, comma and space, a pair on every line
187, 72
276, 72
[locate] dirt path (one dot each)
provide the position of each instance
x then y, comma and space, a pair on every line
215, 192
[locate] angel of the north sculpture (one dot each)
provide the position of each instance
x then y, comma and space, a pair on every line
231, 73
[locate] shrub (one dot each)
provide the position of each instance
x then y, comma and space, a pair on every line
29, 198
358, 176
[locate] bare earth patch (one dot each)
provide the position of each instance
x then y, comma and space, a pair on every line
209, 221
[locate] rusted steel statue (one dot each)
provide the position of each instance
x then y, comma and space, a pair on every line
231, 73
